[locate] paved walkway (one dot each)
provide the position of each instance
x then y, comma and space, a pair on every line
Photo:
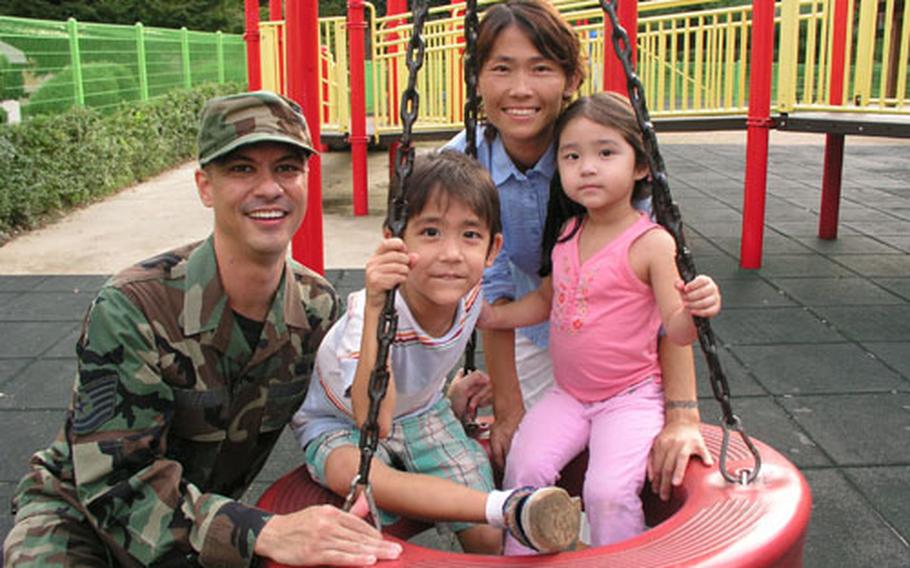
816, 345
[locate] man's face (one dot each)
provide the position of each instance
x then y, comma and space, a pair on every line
259, 196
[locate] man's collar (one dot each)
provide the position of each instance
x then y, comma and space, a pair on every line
205, 301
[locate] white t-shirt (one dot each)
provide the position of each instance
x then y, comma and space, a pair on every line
420, 365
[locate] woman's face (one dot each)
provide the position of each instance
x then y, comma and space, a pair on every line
522, 92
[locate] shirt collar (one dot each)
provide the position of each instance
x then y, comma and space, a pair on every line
502, 166
204, 300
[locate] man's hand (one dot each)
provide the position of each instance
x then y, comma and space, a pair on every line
324, 535
670, 453
468, 393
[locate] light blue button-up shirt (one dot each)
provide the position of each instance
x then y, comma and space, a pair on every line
523, 198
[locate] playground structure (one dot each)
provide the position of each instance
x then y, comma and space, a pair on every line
783, 547
837, 67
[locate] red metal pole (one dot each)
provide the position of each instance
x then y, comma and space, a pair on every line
758, 125
302, 29
834, 143
275, 10
394, 7
358, 138
459, 84
251, 36
614, 76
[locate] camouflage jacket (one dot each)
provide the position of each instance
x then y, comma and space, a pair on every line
172, 414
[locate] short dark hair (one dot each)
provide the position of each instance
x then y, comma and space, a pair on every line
457, 176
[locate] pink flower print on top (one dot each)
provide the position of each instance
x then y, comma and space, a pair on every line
570, 298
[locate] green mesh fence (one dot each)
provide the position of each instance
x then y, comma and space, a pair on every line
47, 66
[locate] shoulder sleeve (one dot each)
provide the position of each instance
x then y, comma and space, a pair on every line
497, 279
458, 142
118, 436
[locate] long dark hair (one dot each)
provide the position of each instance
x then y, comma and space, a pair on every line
607, 109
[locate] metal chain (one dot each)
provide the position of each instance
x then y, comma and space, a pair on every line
397, 218
668, 216
471, 112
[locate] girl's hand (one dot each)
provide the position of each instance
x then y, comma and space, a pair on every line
468, 393
701, 296
388, 267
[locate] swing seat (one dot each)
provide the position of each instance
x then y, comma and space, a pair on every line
707, 521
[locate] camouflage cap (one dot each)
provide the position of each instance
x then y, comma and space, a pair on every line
237, 120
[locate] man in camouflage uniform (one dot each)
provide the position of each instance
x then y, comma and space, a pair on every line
190, 365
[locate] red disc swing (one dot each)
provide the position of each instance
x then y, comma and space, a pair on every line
751, 508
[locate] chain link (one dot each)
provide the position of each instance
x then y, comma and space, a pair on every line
397, 218
471, 116
668, 215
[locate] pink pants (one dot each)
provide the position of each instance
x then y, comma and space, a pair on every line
618, 433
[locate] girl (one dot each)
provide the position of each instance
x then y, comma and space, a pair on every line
613, 283
530, 65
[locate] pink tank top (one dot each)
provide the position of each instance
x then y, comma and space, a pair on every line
604, 320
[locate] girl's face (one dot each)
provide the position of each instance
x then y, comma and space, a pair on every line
597, 166
522, 93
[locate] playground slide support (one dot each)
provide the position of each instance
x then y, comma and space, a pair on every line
614, 75
275, 10
758, 125
358, 137
251, 37
834, 143
393, 7
302, 30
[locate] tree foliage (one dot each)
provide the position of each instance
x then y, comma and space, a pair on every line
205, 15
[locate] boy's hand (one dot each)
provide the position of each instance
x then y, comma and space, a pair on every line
468, 393
701, 296
387, 268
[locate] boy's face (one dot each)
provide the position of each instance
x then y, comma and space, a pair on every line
453, 247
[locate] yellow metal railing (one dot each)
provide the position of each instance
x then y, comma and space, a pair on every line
271, 54
692, 61
877, 51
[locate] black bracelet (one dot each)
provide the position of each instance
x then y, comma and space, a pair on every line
680, 404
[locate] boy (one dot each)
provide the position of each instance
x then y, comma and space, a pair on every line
426, 467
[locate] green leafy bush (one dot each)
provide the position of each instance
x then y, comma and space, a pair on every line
52, 163
104, 85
